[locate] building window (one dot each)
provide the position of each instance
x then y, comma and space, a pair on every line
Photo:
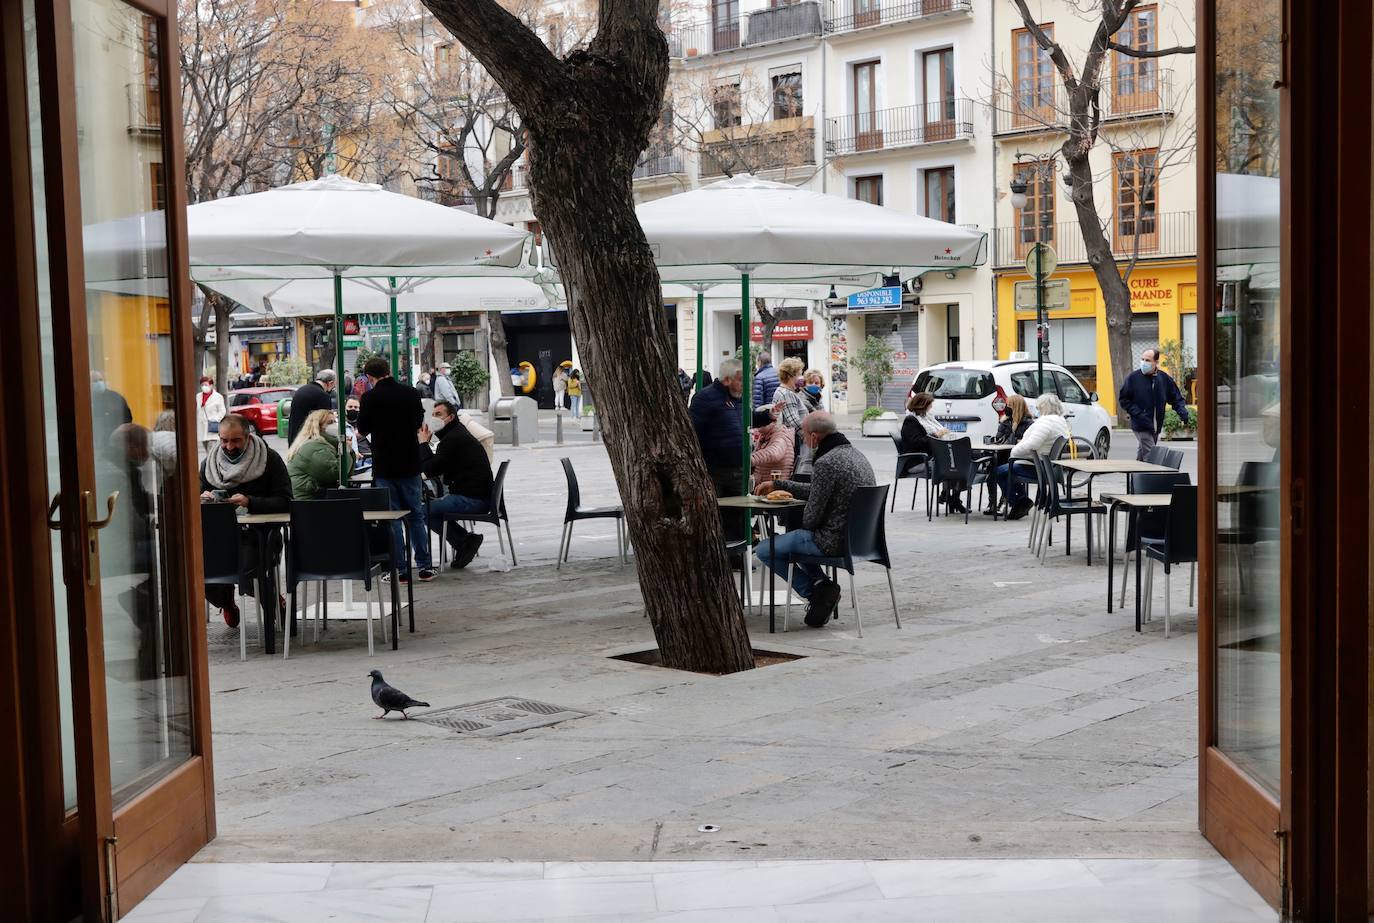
725, 103
787, 94
1035, 222
938, 93
940, 194
1137, 200
868, 129
157, 187
725, 24
443, 60
1034, 92
1135, 83
869, 189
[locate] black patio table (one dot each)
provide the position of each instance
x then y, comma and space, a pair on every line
769, 510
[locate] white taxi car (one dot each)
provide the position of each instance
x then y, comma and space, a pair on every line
969, 395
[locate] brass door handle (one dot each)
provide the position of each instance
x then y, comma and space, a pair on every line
93, 527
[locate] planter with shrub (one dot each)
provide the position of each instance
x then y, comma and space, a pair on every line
1176, 429
879, 422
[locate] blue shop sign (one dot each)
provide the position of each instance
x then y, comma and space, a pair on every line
889, 297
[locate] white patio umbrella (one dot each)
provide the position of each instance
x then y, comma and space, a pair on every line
335, 229
315, 297
747, 230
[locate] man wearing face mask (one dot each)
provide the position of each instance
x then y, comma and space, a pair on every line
244, 471
461, 464
318, 395
1147, 391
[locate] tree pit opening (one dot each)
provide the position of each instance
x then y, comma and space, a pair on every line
762, 658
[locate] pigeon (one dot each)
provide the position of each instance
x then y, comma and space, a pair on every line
389, 698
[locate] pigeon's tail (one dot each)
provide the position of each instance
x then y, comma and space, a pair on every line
415, 704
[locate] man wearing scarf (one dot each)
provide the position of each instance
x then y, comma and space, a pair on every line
838, 469
242, 470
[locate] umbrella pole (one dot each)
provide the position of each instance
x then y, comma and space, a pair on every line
395, 344
701, 326
746, 327
339, 372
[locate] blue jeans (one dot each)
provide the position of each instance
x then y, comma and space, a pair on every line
798, 541
452, 507
405, 495
1013, 477
576, 406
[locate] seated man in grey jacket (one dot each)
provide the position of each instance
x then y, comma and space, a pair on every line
839, 468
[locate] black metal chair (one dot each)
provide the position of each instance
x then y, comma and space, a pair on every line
1057, 507
914, 465
222, 556
953, 463
1178, 546
374, 500
1254, 513
329, 541
576, 512
866, 541
1160, 454
737, 553
496, 510
1146, 523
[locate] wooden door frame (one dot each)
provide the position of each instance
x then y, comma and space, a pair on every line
151, 836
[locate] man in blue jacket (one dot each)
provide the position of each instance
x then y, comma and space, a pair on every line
1144, 395
765, 382
718, 417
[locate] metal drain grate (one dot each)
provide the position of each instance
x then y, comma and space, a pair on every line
496, 717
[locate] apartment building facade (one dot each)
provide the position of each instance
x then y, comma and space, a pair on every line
1144, 184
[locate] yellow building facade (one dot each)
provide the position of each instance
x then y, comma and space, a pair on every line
1163, 305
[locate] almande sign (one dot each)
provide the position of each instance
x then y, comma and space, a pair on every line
1152, 293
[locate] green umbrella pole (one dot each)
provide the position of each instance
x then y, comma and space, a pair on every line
748, 394
339, 371
395, 343
701, 327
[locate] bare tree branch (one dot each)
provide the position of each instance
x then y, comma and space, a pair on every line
1151, 52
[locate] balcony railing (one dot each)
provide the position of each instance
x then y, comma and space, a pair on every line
145, 108
760, 27
904, 126
1169, 234
1142, 92
749, 155
1043, 106
519, 176
662, 165
848, 15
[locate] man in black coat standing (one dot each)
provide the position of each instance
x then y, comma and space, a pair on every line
1147, 391
390, 416
318, 395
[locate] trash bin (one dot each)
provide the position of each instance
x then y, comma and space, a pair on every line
515, 420
284, 417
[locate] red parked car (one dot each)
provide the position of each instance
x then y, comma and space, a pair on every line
259, 406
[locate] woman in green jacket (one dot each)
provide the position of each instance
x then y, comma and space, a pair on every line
313, 459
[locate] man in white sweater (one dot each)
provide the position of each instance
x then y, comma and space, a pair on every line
1049, 425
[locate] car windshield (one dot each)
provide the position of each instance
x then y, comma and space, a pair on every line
956, 383
238, 400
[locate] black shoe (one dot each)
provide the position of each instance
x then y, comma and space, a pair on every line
425, 574
824, 595
455, 536
1020, 510
955, 504
463, 556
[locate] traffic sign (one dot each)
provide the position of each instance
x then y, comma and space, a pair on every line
887, 297
1056, 295
1047, 262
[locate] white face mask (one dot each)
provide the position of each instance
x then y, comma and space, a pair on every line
436, 424
205, 389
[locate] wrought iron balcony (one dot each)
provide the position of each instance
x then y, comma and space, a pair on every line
765, 151
1140, 92
660, 165
775, 24
1171, 234
145, 108
850, 15
904, 126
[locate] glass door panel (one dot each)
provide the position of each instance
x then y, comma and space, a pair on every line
133, 425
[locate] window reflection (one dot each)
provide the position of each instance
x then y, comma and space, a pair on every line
1246, 373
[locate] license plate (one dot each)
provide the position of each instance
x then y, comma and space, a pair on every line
958, 427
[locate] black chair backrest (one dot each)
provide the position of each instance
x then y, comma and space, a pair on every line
328, 541
1157, 454
574, 495
1152, 523
1257, 511
911, 461
219, 541
1058, 447
867, 524
953, 458
498, 488
1173, 458
1180, 542
374, 499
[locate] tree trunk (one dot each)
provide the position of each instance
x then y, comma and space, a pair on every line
223, 308
769, 320
496, 339
597, 106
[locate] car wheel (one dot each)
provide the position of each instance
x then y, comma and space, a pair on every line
1102, 444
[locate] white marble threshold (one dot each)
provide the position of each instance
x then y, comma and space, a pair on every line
811, 891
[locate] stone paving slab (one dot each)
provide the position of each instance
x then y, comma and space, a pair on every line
1011, 719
